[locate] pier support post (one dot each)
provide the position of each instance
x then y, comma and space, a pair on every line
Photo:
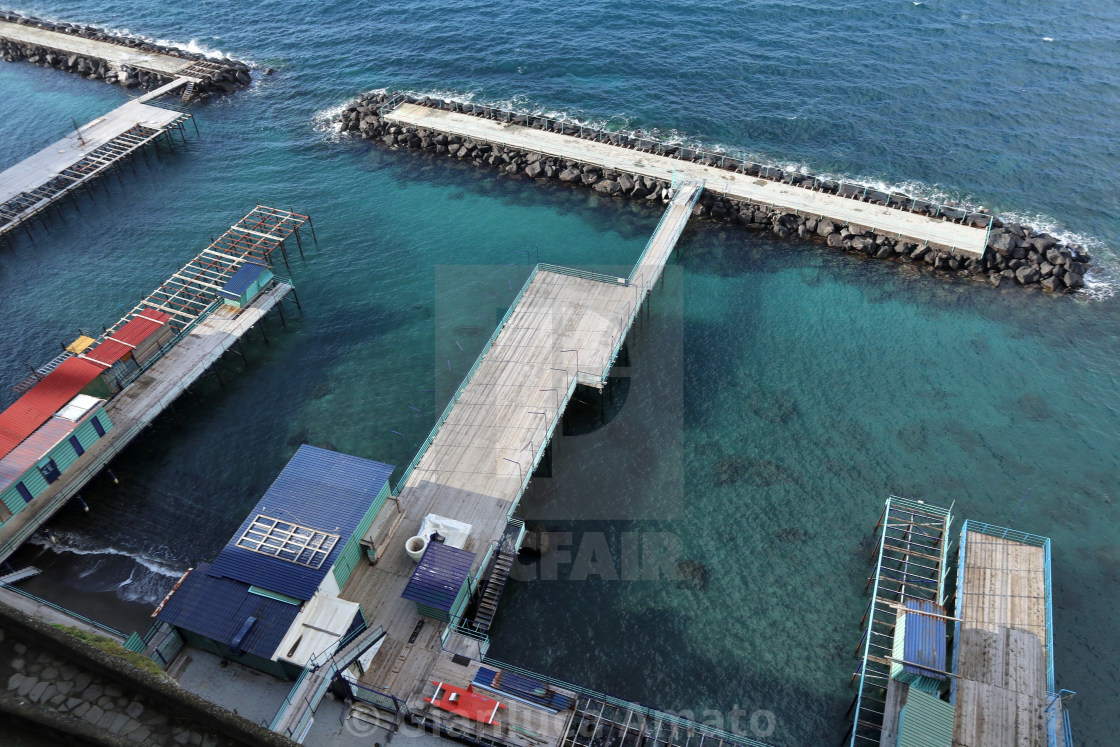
280, 308
264, 333
241, 350
112, 476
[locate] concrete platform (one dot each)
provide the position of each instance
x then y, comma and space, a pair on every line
885, 220
114, 54
36, 170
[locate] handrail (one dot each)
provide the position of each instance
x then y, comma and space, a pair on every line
691, 726
462, 386
69, 613
840, 187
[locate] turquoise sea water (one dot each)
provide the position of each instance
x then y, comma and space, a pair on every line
779, 391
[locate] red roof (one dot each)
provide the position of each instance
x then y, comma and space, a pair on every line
43, 400
134, 332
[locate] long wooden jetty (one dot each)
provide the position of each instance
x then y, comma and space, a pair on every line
563, 330
74, 161
958, 237
205, 328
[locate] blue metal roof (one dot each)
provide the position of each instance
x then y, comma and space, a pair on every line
319, 489
241, 280
217, 608
925, 642
439, 576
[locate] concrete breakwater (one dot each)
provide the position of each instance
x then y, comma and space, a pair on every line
63, 49
1014, 253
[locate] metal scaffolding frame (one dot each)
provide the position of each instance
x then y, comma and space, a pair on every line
911, 563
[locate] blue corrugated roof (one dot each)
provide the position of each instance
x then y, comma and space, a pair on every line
318, 489
439, 576
241, 280
925, 640
216, 608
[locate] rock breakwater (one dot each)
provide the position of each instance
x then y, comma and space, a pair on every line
221, 75
1015, 254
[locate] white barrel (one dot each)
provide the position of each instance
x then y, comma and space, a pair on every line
415, 547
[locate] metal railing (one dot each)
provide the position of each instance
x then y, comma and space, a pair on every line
650, 712
1024, 538
647, 143
462, 386
69, 613
310, 700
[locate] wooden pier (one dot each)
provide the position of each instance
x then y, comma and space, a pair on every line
205, 330
1005, 694
74, 161
564, 329
891, 221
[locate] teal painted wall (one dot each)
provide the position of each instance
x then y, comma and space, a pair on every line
64, 456
351, 553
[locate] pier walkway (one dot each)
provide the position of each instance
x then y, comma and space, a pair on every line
564, 329
116, 55
205, 329
39, 181
922, 229
1005, 694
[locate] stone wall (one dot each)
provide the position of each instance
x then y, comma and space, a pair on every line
55, 684
1015, 253
232, 76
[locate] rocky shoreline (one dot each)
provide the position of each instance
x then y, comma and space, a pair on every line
1015, 253
231, 76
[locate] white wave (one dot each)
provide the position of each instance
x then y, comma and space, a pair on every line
1099, 281
1047, 39
326, 122
193, 47
76, 544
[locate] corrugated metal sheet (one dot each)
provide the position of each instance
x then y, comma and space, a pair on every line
216, 608
926, 721
925, 641
241, 280
43, 400
319, 489
24, 456
80, 345
125, 339
439, 577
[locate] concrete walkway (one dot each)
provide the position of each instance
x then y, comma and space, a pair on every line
885, 220
114, 54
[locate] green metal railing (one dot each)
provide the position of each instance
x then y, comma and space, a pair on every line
692, 727
121, 637
462, 386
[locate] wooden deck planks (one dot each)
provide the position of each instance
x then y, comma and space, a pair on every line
505, 412
1002, 657
887, 220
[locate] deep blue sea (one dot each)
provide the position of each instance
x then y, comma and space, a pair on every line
778, 391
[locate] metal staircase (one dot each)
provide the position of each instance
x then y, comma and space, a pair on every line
504, 555
188, 93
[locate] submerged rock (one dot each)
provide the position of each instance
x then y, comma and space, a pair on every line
692, 575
